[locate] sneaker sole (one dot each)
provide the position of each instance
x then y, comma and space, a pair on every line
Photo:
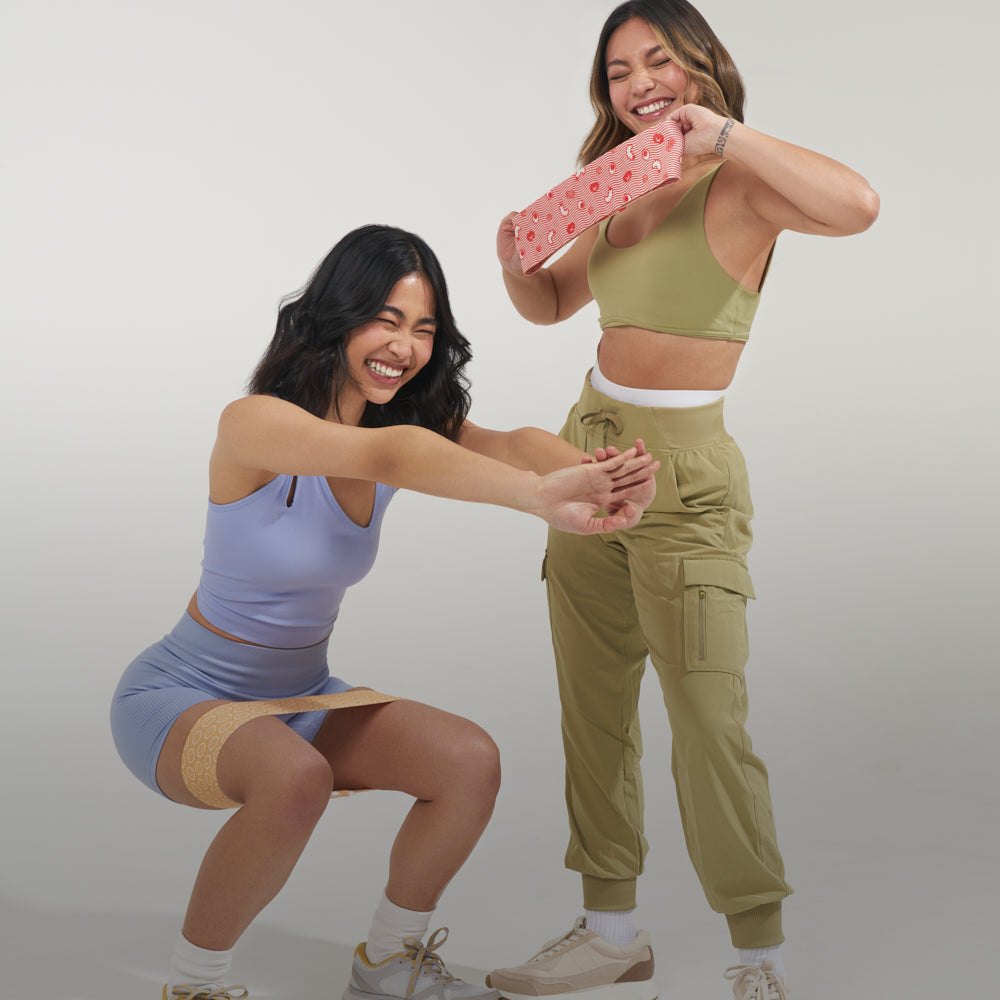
350, 994
644, 989
353, 994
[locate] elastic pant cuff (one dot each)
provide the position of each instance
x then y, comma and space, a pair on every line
756, 928
608, 893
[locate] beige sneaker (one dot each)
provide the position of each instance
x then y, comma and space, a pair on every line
584, 964
757, 984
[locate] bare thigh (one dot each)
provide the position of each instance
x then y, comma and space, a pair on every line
401, 746
404, 746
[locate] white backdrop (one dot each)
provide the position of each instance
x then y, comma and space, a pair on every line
171, 170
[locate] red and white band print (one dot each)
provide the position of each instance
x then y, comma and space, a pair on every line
634, 168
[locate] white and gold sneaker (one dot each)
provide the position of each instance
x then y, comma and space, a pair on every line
416, 973
753, 983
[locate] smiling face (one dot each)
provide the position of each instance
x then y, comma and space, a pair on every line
391, 349
644, 82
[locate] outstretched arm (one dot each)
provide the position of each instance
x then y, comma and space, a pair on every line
539, 451
261, 436
787, 186
631, 493
528, 448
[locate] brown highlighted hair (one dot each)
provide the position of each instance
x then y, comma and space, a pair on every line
690, 42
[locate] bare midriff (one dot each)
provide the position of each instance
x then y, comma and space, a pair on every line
643, 359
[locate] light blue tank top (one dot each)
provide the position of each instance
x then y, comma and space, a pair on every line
278, 562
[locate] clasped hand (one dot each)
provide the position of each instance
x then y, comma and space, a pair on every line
603, 494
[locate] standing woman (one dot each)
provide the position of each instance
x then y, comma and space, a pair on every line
358, 394
677, 276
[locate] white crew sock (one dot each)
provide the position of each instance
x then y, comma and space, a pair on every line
194, 966
615, 926
757, 956
391, 926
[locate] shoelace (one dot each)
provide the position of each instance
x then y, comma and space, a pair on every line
424, 957
209, 993
557, 944
760, 984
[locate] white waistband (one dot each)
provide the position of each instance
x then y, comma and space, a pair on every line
652, 397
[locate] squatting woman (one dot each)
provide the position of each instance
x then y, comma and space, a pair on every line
360, 392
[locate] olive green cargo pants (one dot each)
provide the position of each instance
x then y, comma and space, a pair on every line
673, 588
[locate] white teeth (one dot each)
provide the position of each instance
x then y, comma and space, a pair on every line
654, 107
385, 370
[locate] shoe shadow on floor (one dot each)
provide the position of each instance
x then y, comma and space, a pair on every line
56, 955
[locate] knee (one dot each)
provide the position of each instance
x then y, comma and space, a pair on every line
298, 792
475, 765
713, 710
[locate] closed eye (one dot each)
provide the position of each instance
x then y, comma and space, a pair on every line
624, 74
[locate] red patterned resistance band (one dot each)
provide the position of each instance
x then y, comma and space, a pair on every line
601, 188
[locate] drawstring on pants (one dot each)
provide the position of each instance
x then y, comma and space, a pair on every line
605, 419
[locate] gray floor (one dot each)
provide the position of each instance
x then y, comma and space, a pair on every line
895, 872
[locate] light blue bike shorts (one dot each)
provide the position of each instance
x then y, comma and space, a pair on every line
191, 665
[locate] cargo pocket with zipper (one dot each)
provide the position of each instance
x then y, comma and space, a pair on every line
715, 621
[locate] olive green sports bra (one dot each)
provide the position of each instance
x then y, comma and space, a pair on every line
670, 282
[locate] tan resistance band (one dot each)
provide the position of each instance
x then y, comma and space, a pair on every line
210, 732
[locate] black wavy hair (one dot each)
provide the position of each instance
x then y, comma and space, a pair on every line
306, 361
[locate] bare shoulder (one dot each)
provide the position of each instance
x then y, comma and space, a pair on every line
236, 468
255, 407
259, 416
263, 436
229, 478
